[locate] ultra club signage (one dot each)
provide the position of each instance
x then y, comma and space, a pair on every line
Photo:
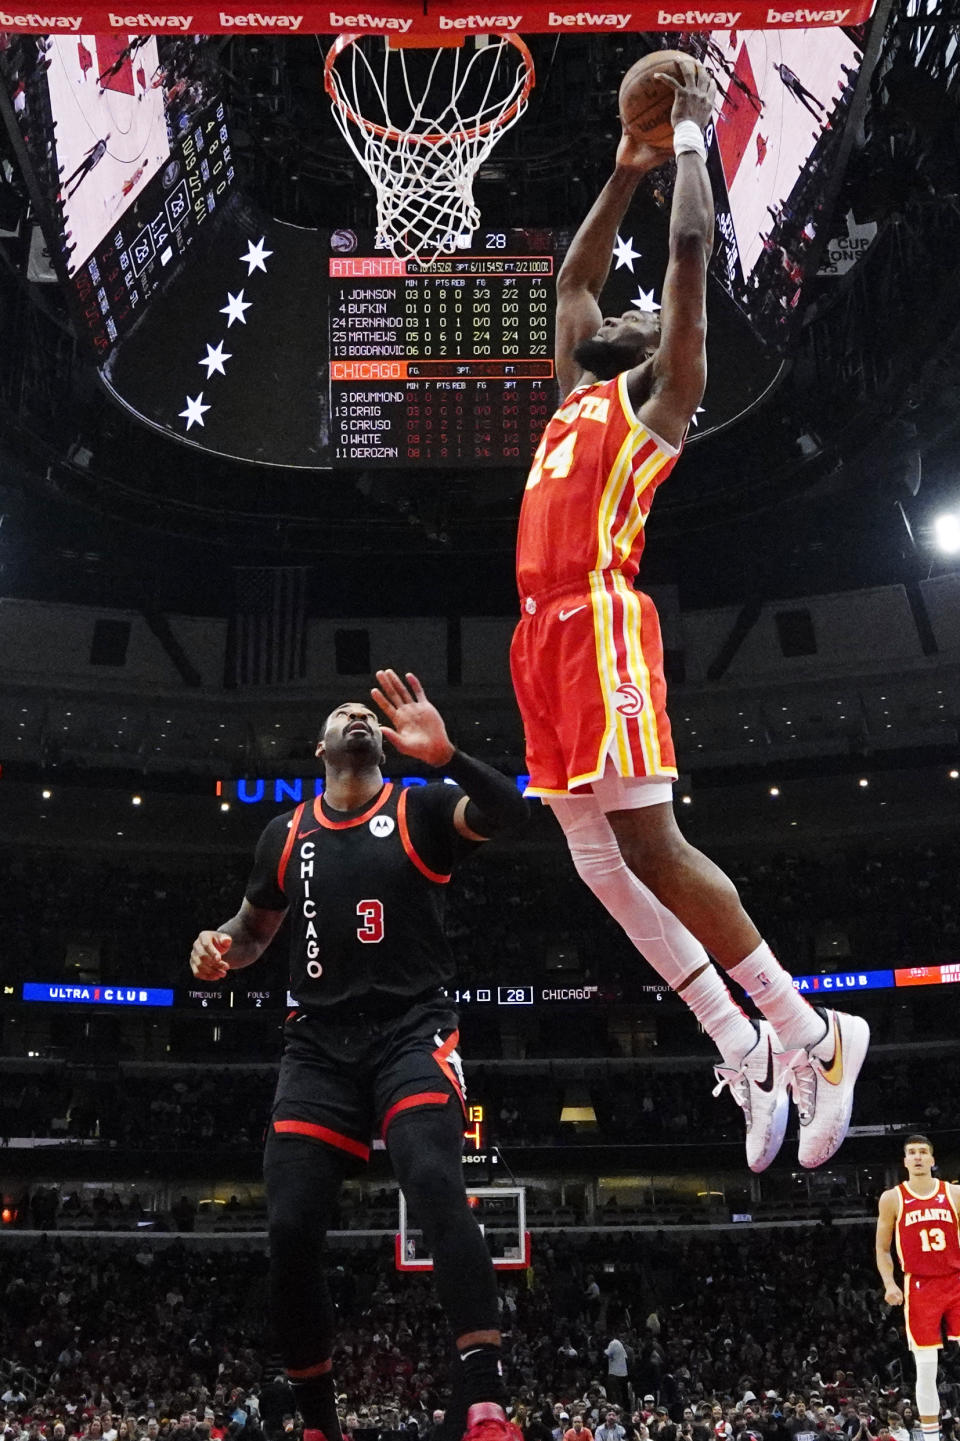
426, 17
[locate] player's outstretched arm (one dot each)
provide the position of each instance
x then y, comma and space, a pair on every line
680, 363
491, 801
238, 942
587, 263
886, 1222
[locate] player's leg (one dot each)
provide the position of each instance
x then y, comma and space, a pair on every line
752, 1060
928, 1398
425, 1146
826, 1058
829, 1046
420, 1100
303, 1179
318, 1134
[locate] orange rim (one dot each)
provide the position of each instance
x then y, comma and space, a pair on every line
389, 132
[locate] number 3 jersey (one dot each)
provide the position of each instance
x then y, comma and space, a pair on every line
928, 1232
365, 894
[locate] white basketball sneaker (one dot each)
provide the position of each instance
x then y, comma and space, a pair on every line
822, 1078
759, 1087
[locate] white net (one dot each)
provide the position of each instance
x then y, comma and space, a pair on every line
421, 123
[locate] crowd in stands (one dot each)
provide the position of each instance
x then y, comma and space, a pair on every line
866, 906
227, 1109
769, 1336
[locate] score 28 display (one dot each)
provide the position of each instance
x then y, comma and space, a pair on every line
443, 364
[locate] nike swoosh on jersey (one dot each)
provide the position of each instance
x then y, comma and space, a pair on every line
566, 614
767, 1083
834, 1072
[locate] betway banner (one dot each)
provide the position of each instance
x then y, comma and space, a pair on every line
426, 17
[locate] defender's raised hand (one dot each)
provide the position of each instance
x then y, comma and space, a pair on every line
417, 726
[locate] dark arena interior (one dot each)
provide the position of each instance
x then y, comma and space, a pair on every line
248, 457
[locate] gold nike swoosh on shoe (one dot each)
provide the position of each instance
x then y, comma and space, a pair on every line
833, 1074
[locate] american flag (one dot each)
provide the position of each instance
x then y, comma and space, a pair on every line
267, 643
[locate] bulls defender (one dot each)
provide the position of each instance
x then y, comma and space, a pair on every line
372, 1042
587, 658
921, 1217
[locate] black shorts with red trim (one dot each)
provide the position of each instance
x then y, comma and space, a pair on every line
345, 1076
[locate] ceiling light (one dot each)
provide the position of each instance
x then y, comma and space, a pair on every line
863, 783
136, 800
946, 531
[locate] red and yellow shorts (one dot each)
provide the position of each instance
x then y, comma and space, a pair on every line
587, 668
928, 1301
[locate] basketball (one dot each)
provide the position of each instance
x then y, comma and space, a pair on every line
646, 103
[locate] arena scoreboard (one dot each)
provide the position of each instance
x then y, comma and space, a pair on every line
443, 364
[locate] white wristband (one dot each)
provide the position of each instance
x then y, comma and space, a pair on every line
687, 136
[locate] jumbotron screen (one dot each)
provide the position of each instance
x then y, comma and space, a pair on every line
784, 96
129, 152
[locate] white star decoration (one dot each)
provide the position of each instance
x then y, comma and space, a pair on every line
624, 253
193, 414
234, 308
214, 359
645, 301
698, 411
255, 256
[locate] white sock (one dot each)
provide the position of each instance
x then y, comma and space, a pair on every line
772, 991
720, 1016
657, 934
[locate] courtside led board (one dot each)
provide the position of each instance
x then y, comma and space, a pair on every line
423, 17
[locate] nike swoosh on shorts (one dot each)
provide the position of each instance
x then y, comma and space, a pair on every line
566, 614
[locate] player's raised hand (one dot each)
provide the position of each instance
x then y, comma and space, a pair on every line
694, 97
208, 956
635, 154
416, 726
893, 1295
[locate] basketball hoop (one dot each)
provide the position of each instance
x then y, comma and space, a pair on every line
421, 123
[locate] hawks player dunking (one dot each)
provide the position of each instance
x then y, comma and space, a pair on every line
371, 1043
921, 1218
587, 657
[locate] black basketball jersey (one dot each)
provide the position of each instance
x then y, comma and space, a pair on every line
365, 894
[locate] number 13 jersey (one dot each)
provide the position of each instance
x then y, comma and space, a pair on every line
928, 1232
364, 890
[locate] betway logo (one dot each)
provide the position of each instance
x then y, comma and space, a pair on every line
481, 23
253, 20
145, 21
700, 19
806, 17
40, 22
369, 22
588, 19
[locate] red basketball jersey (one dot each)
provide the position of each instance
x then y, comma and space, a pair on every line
928, 1232
589, 491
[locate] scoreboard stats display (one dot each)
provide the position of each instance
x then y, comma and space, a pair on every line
443, 364
129, 264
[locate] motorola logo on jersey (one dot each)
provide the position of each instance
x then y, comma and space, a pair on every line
632, 703
381, 827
